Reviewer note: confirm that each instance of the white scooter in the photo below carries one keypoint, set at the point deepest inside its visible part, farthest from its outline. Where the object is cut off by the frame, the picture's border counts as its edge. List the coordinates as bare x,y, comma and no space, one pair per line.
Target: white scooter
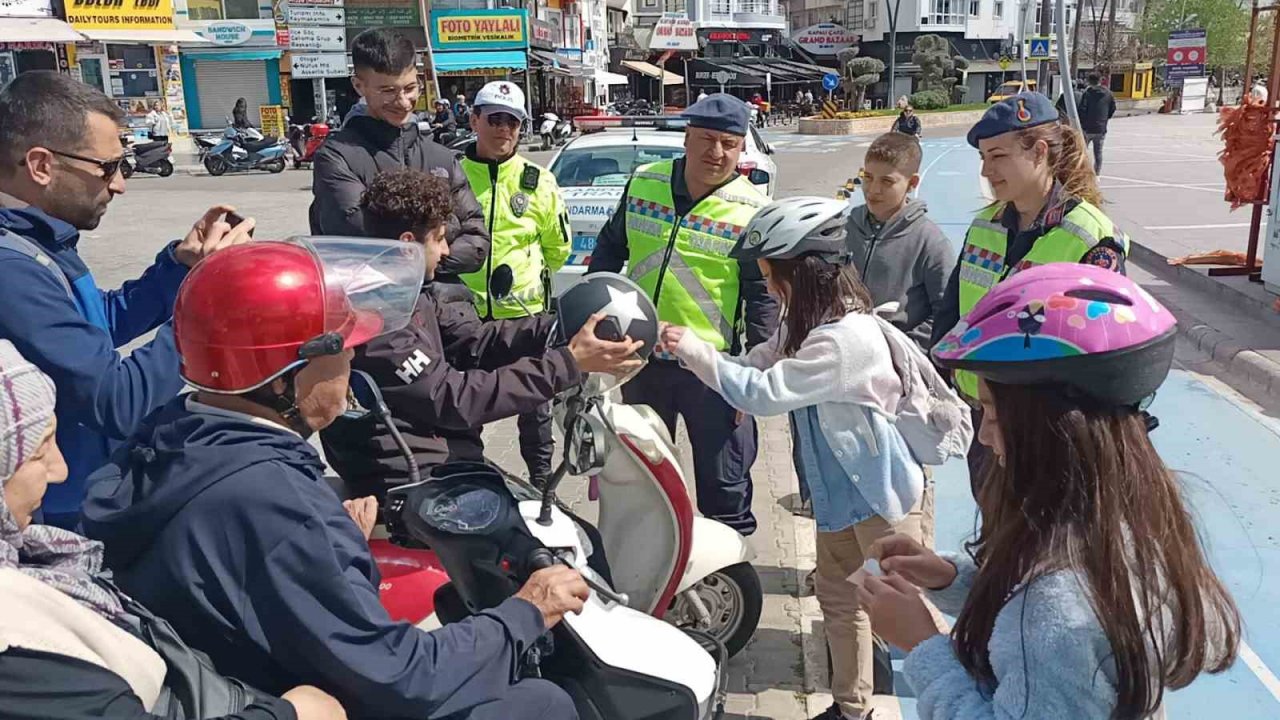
554,131
689,570
490,535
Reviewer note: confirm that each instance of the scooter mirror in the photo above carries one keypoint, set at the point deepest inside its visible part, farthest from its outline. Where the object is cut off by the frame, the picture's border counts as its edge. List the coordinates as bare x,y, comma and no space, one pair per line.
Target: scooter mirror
363,397
501,280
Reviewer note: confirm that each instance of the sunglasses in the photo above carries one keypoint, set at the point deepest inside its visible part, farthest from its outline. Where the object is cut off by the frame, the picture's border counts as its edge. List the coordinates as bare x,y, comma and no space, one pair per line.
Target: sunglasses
502,120
109,168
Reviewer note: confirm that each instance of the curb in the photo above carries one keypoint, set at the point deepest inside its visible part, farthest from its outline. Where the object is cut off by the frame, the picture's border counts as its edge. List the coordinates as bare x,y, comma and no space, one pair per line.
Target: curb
1240,362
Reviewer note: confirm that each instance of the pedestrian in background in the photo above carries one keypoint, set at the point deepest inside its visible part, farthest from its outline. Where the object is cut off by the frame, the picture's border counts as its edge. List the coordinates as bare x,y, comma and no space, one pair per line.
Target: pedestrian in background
240,115
1097,106
160,122
673,231
907,123
60,154
1046,210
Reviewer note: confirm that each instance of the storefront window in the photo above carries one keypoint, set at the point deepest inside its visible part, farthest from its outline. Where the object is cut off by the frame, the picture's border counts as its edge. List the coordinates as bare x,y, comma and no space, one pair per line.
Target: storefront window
133,71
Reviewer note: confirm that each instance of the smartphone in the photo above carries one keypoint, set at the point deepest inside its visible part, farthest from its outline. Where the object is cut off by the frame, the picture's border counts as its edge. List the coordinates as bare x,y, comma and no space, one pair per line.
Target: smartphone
234,219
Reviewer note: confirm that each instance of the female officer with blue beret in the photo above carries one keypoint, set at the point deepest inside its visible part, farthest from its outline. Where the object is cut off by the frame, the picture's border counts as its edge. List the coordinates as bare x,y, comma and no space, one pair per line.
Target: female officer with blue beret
1046,209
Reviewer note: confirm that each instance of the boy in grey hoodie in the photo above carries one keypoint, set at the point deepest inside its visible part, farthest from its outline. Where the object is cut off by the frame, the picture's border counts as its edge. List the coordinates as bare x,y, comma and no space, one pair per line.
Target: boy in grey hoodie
901,255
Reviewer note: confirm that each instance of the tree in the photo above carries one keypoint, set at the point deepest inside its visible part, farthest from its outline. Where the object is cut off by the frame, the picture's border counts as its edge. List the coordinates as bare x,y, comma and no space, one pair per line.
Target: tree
857,74
1226,23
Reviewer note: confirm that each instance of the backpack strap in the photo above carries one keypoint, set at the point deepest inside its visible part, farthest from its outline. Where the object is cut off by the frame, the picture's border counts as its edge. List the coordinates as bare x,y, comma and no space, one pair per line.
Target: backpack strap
23,246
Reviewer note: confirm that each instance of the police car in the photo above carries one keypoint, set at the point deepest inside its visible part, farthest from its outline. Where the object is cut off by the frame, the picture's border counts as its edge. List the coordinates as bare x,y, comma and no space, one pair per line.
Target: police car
593,169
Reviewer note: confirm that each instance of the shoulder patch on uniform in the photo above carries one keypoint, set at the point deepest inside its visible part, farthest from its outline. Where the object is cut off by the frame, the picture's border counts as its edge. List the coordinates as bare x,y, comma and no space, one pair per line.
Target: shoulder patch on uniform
1104,256
529,178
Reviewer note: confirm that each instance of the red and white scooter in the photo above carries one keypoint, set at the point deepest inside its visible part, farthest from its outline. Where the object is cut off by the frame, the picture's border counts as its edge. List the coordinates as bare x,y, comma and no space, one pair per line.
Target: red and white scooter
691,571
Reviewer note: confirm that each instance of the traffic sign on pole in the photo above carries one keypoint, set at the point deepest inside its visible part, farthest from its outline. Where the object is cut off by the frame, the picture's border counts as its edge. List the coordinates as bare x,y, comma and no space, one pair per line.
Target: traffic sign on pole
1039,48
830,81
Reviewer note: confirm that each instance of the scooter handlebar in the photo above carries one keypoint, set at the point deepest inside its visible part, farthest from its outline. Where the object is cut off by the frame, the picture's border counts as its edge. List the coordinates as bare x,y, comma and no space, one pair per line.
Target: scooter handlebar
542,558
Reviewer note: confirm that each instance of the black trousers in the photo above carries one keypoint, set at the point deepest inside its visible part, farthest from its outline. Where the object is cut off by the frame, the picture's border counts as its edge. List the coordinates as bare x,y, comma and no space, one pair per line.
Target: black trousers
723,449
537,444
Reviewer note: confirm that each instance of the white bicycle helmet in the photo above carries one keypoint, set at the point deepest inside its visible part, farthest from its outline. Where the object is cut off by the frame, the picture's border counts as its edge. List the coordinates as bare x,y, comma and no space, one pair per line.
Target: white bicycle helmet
796,226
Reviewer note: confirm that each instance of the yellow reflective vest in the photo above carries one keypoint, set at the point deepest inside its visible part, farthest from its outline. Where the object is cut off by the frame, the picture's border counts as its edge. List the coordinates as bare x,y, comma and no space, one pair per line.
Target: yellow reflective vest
528,228
982,262
683,261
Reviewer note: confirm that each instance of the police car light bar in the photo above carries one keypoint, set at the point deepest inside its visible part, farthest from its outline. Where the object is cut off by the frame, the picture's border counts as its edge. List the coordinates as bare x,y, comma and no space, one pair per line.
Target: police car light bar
598,123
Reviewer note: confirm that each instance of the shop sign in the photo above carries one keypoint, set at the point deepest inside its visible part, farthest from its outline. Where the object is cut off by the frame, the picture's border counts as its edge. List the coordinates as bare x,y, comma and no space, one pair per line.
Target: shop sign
120,14
227,32
543,34
317,39
674,31
273,120
478,30
317,16
318,65
729,36
318,3
825,39
383,13
27,46
26,8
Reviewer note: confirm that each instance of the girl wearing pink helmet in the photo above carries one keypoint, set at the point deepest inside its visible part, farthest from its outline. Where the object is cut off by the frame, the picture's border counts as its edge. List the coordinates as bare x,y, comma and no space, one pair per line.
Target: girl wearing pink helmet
1086,593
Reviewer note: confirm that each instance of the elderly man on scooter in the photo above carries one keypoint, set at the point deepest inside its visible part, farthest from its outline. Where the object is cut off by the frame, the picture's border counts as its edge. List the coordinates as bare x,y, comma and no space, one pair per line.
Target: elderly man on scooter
217,514
448,373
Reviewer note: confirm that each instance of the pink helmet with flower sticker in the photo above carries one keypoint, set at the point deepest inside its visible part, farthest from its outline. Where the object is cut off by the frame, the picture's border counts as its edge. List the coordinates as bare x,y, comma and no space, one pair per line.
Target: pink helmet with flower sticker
1066,324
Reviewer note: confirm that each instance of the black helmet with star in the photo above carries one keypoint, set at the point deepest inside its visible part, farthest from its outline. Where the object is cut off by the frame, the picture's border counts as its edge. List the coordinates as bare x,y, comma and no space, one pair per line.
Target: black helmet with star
627,308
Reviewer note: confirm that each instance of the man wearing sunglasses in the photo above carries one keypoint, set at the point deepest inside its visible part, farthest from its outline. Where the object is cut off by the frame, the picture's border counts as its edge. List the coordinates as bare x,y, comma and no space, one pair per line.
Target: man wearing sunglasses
386,137
60,160
529,231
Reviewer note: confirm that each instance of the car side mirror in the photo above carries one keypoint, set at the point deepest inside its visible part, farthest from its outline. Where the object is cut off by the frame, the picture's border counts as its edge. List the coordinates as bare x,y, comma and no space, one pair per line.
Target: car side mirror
758,177
501,281
364,398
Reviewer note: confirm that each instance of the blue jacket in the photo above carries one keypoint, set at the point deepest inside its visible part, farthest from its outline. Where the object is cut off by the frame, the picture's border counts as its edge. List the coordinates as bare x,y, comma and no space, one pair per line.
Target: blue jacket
102,396
1049,653
224,524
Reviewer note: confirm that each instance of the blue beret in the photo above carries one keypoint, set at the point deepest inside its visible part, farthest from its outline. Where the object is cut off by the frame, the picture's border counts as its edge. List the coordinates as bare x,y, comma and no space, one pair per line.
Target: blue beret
720,111
1022,111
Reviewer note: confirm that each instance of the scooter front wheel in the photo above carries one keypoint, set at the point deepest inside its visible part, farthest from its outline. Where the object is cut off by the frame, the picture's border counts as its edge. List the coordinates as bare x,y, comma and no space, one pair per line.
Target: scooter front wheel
164,168
732,600
216,165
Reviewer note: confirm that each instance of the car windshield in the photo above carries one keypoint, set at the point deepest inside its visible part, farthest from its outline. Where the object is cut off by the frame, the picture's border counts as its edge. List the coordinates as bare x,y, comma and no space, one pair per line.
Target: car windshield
607,166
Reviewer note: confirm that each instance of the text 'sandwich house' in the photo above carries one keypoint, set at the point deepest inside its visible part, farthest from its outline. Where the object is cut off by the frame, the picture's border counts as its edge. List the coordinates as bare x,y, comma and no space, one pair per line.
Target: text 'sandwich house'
132,54
472,47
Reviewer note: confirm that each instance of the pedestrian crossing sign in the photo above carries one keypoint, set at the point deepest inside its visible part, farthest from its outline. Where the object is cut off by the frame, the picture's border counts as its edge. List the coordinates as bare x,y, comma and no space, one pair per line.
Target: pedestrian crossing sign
1039,48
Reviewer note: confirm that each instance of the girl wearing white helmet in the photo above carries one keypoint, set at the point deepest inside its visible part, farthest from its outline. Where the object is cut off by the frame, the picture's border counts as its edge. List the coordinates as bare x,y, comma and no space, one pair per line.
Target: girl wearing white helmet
829,367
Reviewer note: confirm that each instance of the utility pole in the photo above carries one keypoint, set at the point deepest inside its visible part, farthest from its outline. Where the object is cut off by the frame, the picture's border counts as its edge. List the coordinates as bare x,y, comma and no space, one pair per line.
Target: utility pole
893,13
1022,39
1064,65
1042,68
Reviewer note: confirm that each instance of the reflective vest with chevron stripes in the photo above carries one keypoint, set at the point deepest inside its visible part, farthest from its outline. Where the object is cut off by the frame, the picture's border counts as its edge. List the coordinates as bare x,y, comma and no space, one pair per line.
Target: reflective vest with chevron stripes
982,262
683,261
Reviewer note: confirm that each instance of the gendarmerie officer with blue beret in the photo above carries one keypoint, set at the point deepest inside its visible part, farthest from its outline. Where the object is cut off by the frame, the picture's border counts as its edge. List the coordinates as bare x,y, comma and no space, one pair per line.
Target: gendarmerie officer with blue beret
673,232
1046,209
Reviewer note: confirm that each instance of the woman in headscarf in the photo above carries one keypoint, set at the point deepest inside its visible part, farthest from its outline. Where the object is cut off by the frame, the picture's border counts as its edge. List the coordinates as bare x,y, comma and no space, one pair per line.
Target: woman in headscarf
68,648
240,115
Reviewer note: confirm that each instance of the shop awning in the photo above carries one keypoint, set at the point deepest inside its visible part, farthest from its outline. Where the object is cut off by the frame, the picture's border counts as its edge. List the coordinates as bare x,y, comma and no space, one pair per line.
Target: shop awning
446,62
704,73
148,37
653,71
559,63
604,77
50,30
235,55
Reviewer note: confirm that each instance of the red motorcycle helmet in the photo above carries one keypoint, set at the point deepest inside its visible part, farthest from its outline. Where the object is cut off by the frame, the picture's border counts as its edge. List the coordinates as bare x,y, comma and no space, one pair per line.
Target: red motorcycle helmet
250,313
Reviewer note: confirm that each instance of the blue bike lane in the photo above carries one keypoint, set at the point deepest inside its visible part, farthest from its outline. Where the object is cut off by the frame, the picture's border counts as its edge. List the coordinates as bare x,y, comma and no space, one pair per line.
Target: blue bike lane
1227,454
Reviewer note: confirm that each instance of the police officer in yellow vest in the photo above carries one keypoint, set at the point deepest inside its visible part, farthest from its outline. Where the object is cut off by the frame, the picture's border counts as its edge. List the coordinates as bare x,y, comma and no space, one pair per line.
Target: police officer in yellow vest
673,231
529,227
1046,209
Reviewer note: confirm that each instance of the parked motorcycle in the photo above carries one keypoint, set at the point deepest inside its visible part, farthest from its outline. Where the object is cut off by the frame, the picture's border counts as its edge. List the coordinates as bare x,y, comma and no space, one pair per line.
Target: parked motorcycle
241,151
305,140
205,143
612,660
554,131
148,157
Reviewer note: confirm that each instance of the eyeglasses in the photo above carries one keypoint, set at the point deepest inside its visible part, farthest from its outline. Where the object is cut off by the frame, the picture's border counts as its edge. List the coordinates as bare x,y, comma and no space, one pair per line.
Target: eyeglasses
502,120
389,94
109,168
